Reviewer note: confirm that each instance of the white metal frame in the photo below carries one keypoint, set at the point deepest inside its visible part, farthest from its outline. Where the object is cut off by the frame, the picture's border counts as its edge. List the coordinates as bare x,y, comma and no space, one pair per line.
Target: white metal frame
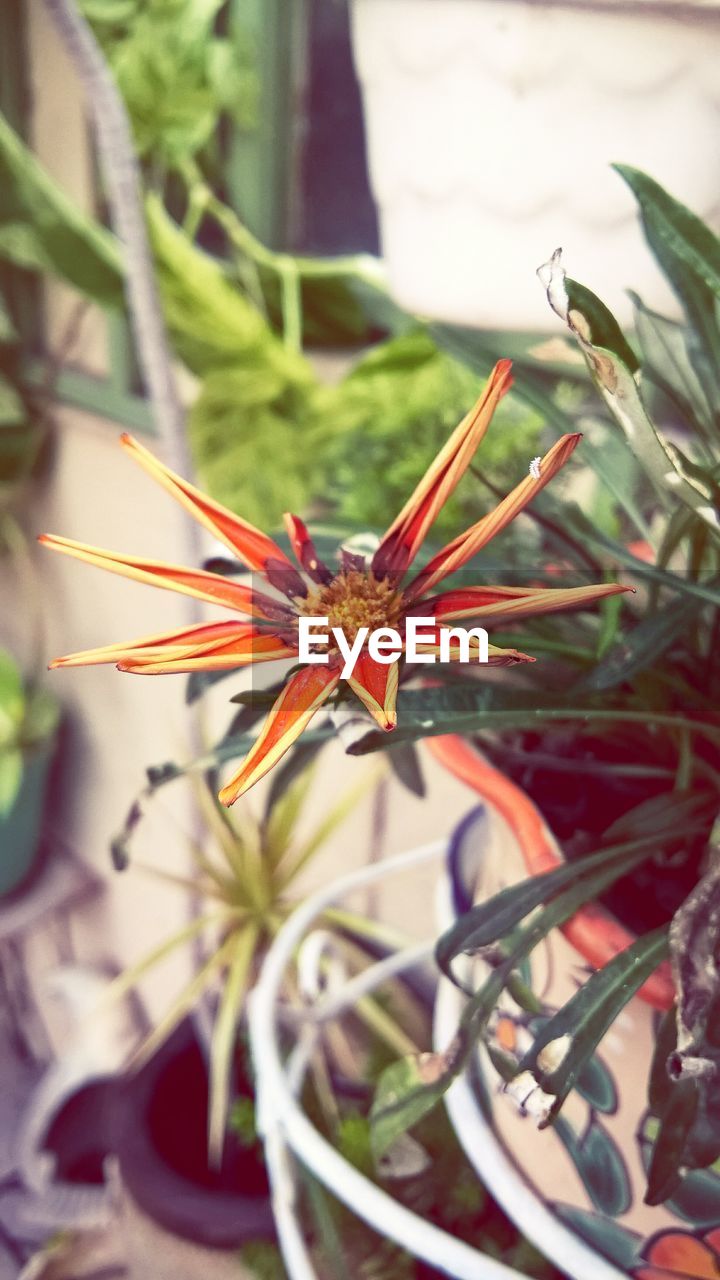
286,1129
490,1158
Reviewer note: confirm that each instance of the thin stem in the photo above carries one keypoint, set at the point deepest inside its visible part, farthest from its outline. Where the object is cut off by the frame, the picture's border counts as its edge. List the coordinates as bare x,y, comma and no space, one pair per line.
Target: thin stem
122,179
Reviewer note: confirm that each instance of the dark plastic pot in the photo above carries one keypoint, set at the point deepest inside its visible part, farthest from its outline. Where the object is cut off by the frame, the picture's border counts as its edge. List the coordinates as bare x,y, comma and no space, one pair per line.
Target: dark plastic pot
21,828
159,1133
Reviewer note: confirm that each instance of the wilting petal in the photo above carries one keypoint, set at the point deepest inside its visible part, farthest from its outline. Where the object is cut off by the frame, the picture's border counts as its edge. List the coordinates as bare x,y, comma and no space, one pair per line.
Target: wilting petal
511,602
251,644
251,545
302,696
467,544
305,551
190,582
376,684
175,644
405,536
496,657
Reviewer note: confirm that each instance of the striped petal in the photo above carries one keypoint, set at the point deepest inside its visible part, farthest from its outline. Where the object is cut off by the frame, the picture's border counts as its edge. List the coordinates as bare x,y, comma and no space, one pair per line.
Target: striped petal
305,551
376,685
405,536
302,696
251,644
176,644
190,582
497,657
248,543
512,602
467,544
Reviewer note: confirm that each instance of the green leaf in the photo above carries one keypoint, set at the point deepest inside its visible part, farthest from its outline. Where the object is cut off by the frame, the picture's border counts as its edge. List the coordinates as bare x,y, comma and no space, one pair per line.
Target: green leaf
608,1238
660,1085
42,230
648,641
8,332
490,921
405,764
199,681
212,323
566,1042
471,708
615,382
666,349
224,1036
409,389
602,328
675,582
686,250
12,409
298,761
670,224
286,802
12,697
666,817
407,1091
600,1164
11,774
676,1124
596,1085
42,716
614,463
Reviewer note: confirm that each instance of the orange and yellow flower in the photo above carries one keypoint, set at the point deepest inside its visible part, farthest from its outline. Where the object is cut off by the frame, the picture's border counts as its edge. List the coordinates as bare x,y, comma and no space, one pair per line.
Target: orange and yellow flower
357,594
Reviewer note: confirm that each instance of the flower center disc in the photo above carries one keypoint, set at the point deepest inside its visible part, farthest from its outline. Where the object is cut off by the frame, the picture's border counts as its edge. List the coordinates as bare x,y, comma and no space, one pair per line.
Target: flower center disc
353,600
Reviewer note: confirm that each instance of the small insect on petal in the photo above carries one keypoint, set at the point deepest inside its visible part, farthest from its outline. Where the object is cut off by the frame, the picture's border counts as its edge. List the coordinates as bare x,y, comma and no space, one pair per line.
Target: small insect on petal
534,468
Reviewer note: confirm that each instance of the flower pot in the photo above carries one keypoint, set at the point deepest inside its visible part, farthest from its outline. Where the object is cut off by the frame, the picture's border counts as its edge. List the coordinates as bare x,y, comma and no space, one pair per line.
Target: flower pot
20,829
587,1171
491,125
160,1139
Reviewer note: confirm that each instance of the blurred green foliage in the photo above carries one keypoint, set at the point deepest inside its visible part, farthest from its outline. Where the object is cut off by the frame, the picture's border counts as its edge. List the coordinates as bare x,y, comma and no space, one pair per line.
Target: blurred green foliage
390,417
28,718
178,72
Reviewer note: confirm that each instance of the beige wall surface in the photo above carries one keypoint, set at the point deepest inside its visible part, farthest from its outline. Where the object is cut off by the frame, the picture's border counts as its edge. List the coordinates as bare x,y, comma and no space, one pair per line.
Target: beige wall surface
119,724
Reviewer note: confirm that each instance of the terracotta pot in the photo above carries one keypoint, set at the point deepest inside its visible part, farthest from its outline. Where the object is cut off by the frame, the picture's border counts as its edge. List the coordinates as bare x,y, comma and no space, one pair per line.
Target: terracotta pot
588,1170
491,128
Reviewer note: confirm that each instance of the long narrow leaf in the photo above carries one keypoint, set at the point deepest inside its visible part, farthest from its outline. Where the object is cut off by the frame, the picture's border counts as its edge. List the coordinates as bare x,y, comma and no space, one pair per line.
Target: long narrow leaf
224,1037
183,1003
567,1041
410,1088
42,230
494,919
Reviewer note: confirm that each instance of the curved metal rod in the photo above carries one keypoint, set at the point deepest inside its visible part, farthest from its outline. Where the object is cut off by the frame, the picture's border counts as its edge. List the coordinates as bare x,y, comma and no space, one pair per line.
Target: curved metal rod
286,1129
491,1161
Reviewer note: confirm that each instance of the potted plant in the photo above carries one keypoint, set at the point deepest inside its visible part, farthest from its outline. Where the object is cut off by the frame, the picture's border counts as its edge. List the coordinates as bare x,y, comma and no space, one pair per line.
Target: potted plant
594,995
490,126
182,1119
29,718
